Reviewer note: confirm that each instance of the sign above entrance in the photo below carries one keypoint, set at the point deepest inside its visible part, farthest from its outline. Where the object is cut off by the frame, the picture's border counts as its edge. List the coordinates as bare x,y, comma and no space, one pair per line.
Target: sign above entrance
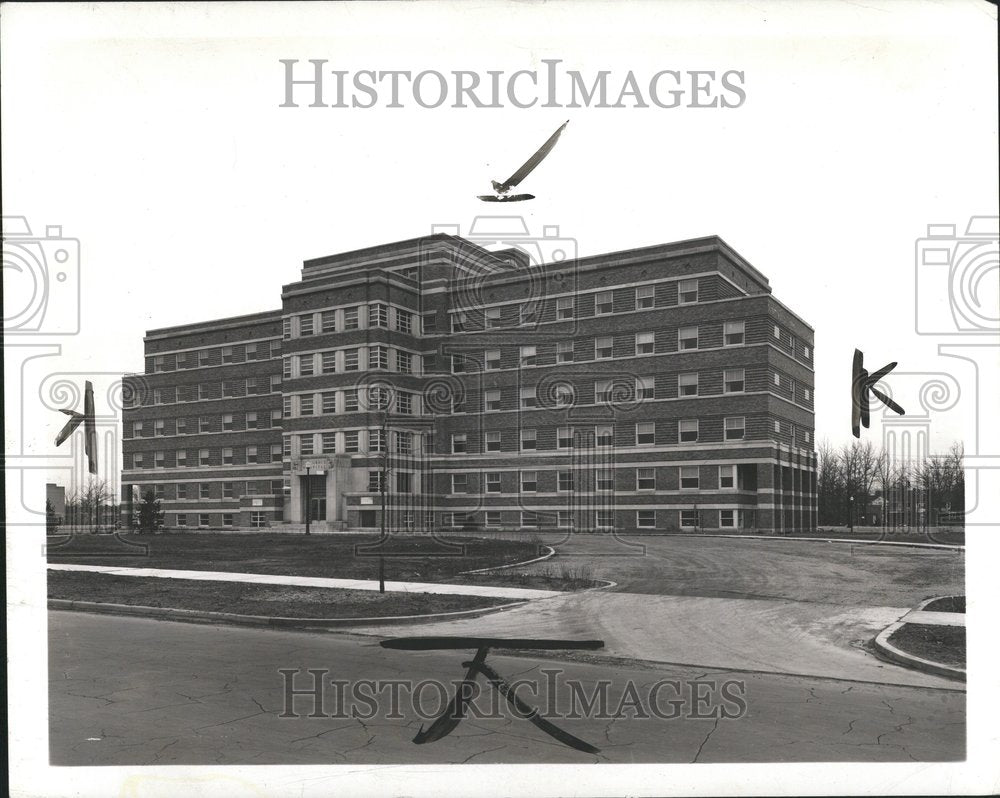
367,500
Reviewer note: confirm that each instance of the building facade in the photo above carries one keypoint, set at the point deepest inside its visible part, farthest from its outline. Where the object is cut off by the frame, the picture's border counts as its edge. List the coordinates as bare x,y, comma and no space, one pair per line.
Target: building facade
654,389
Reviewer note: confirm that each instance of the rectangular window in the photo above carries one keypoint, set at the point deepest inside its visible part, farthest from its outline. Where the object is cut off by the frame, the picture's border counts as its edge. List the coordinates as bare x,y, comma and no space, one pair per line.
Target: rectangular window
528,398
404,362
258,519
492,359
735,428
645,519
328,321
689,518
251,421
306,446
493,483
351,359
645,433
374,481
275,349
227,519
404,403
528,313
459,322
457,364
404,482
645,343
805,394
528,356
203,519
181,458
492,318
687,430
137,460
350,400
306,325
645,387
777,379
158,426
459,483
376,441
493,441
458,443
564,352
182,426
329,442
565,481
565,519
158,460
286,328
328,362
227,456
228,491
351,318
529,519
204,424
689,477
275,383
203,391
286,446
687,291
251,351
727,476
687,384
204,457
204,490
734,381
182,491
777,332
328,401
204,356
404,321
805,352
605,303
306,405
286,406
378,315
564,438
687,338
404,442
378,357
727,518
604,348
645,479
529,481
604,479
428,322
306,365
645,296
777,426
604,435
492,518
351,442
734,333
564,307
529,439
157,396
604,519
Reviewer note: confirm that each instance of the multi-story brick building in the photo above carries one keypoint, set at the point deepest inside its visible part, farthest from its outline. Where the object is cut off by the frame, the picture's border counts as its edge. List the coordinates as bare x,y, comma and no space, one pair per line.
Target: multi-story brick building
652,389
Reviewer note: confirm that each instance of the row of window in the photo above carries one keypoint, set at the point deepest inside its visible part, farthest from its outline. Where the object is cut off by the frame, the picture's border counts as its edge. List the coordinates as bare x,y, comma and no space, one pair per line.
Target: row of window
226,490
258,519
602,519
356,317
351,400
214,356
227,422
342,361
178,458
604,479
350,442
199,392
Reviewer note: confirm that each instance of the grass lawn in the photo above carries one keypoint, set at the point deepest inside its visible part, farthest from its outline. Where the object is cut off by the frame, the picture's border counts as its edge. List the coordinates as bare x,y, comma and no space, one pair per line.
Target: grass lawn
246,599
947,604
953,536
418,559
944,644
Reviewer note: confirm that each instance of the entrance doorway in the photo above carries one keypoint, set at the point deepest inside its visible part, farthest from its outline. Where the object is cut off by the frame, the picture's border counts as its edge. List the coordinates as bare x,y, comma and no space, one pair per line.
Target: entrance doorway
314,496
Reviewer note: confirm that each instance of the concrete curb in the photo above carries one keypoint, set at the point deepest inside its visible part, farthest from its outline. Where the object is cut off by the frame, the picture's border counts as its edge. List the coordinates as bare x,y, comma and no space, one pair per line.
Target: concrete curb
206,616
551,553
887,651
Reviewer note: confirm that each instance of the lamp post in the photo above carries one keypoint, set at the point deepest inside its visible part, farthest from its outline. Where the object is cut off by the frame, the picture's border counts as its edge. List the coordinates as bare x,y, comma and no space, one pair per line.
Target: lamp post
383,485
308,498
851,511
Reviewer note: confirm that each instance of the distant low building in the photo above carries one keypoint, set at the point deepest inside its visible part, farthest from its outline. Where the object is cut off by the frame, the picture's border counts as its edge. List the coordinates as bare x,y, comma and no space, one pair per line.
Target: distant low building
55,495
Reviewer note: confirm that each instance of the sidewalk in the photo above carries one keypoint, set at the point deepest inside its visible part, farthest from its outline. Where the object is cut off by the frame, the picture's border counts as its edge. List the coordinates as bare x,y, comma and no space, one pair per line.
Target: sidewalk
313,581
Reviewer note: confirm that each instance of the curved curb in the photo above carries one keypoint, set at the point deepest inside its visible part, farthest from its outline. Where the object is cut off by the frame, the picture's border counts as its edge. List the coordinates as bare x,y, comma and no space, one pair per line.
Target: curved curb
206,616
551,553
888,651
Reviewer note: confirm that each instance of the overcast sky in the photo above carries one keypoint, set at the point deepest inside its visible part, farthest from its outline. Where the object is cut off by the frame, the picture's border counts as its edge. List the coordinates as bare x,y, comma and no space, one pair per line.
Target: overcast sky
154,135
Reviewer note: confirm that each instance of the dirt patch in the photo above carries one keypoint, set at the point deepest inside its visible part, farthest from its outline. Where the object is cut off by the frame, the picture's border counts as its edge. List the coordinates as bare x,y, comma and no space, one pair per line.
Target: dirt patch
249,599
942,644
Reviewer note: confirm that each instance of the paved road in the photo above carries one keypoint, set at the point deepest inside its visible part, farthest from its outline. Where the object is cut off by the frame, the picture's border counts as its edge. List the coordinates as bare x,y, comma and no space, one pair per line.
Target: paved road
137,691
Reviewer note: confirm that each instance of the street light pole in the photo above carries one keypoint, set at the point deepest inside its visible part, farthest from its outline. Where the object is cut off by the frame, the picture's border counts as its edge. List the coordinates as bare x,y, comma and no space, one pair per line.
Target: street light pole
383,485
308,498
851,510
